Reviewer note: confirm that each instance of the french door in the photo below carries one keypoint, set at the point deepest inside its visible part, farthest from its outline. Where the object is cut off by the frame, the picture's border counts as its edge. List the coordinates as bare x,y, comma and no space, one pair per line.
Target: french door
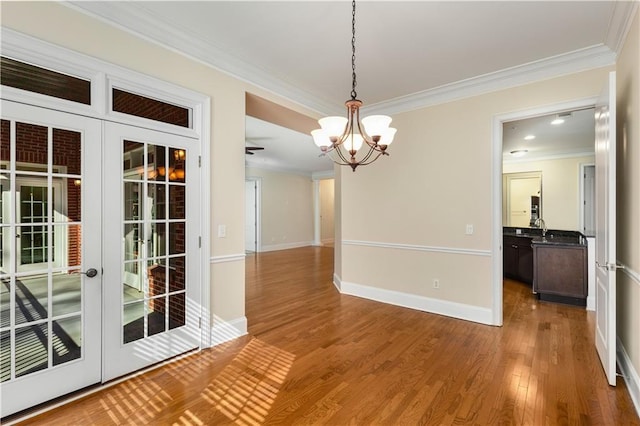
99,262
50,309
151,304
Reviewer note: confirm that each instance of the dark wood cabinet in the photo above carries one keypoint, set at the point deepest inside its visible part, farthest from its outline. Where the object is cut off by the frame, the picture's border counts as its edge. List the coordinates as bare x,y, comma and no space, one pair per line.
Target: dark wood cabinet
517,258
560,272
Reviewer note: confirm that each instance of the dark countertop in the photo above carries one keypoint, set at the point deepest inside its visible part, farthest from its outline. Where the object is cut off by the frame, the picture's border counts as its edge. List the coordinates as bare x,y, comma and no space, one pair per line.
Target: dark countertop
553,236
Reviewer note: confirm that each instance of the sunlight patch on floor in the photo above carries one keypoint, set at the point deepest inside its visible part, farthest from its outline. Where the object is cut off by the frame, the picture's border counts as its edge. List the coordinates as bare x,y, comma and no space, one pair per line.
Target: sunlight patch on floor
247,388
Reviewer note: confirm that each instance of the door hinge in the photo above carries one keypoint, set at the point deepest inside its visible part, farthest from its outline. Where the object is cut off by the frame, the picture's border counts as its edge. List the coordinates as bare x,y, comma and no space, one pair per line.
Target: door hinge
199,161
199,322
199,242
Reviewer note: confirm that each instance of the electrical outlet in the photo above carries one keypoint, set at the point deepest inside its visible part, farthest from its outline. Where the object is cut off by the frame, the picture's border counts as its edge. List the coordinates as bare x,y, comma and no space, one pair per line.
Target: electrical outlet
469,229
222,231
436,283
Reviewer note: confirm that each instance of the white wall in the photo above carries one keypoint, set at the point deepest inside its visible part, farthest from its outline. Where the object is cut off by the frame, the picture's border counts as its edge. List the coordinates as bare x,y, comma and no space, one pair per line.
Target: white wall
286,209
628,207
560,189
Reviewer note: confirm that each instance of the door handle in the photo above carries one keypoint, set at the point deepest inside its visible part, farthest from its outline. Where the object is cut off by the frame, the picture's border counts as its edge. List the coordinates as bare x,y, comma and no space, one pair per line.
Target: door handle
92,272
610,266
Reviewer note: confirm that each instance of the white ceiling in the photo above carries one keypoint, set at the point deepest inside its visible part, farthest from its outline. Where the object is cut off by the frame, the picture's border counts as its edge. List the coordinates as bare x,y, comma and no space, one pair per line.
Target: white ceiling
574,137
408,54
280,146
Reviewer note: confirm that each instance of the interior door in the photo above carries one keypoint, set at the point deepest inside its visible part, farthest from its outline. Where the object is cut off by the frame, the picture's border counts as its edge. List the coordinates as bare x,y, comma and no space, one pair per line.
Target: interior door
520,189
250,224
605,116
151,273
50,311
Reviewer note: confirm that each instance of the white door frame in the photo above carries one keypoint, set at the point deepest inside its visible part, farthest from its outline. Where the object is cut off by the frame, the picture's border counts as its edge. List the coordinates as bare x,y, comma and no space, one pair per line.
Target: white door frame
496,189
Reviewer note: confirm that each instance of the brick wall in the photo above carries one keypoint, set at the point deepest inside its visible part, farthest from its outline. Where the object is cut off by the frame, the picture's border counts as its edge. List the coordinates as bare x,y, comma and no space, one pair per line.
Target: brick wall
140,106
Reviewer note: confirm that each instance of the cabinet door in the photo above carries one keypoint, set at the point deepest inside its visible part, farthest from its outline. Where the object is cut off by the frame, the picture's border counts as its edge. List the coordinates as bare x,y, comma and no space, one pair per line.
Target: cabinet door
525,261
510,257
561,271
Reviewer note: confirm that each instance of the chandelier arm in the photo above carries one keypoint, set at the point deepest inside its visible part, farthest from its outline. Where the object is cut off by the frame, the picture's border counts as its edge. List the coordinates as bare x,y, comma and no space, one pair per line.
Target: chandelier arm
368,155
341,155
363,163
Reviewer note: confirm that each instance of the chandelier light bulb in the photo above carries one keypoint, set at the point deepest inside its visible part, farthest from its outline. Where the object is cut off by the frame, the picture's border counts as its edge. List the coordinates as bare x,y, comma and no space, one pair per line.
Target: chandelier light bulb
387,136
376,125
320,138
353,142
333,126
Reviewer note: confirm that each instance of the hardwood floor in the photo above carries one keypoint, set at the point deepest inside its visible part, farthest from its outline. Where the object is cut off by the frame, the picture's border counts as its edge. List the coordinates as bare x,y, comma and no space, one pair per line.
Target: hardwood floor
313,356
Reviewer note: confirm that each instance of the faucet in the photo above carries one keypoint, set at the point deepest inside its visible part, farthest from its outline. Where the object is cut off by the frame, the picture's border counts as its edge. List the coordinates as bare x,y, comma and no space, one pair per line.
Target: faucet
540,224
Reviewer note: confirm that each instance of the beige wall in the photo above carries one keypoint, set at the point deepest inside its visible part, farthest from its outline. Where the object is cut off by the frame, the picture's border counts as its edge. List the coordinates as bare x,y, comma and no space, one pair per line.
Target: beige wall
628,194
286,211
437,179
326,210
66,27
560,189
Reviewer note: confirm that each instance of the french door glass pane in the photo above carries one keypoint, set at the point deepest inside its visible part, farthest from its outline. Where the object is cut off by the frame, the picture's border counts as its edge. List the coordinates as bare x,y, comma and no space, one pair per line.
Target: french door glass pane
67,289
41,289
5,356
67,336
32,349
154,239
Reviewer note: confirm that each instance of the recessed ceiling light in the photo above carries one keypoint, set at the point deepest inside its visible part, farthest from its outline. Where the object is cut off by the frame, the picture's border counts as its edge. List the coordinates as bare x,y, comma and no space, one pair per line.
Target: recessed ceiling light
519,152
529,137
557,121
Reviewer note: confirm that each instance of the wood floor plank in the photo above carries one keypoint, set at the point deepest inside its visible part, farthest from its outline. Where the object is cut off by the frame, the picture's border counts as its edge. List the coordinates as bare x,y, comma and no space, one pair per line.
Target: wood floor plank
314,356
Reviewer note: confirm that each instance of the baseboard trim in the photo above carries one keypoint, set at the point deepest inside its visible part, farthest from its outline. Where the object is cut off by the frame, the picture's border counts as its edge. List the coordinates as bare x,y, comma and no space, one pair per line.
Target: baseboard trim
224,331
629,374
337,282
420,303
286,246
591,303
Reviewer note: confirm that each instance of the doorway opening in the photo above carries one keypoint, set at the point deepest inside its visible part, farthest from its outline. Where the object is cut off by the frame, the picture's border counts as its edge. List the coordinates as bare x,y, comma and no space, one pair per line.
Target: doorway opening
532,134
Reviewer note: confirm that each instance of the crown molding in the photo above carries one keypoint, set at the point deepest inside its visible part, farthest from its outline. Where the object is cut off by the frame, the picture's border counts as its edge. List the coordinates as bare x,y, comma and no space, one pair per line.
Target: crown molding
136,19
555,66
620,24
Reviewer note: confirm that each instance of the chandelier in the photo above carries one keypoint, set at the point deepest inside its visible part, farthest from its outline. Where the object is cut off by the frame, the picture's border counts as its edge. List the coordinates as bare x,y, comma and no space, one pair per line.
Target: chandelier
347,137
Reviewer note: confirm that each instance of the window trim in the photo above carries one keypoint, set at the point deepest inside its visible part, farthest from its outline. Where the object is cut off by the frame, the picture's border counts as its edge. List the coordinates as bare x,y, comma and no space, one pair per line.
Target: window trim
103,76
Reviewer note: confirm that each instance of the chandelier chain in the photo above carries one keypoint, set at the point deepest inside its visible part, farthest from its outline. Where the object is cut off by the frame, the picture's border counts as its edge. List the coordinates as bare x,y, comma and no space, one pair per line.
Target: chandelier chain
344,137
354,95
